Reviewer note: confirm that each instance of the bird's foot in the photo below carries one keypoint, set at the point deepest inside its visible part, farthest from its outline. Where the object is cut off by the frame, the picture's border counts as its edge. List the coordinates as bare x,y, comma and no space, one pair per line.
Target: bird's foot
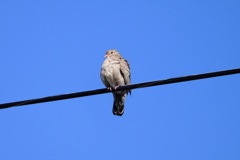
116,87
111,88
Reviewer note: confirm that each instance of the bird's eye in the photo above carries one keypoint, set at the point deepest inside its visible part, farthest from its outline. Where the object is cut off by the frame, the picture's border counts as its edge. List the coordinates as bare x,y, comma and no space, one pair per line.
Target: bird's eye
111,52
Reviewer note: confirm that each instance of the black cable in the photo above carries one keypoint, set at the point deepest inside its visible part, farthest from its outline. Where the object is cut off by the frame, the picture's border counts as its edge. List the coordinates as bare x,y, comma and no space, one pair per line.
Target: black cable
128,87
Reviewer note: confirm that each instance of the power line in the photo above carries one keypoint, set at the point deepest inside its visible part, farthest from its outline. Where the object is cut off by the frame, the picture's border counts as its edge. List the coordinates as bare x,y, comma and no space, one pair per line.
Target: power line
128,87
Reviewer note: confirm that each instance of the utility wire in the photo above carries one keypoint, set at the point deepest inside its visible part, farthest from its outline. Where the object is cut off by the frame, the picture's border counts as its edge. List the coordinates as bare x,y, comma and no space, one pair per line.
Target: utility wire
127,87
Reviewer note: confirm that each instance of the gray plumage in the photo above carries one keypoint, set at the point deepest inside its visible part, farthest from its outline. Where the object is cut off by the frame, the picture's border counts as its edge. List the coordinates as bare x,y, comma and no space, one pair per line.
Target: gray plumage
115,72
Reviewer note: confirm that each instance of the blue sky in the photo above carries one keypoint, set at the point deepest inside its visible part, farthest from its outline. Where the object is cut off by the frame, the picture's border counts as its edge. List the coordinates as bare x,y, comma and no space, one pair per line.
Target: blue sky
56,47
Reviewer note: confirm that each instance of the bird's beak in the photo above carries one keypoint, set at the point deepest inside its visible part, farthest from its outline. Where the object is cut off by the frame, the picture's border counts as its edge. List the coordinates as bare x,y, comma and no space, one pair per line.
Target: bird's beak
106,55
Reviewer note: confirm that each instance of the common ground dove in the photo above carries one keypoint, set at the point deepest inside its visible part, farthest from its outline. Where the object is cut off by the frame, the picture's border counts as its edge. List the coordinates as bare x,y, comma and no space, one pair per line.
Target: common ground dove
115,72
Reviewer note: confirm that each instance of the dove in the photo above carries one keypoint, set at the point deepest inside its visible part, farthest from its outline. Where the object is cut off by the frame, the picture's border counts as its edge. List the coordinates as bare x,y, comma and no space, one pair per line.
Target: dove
115,72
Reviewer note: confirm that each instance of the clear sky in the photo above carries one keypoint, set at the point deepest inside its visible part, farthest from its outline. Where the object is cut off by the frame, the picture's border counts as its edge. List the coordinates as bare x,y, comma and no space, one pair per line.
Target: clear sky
52,47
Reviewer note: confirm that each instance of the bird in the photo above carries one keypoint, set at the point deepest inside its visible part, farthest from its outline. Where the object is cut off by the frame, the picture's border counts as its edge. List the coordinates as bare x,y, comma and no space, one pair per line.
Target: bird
115,72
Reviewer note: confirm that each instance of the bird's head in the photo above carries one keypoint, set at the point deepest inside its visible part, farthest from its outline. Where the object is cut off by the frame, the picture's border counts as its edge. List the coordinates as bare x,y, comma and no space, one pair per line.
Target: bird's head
112,53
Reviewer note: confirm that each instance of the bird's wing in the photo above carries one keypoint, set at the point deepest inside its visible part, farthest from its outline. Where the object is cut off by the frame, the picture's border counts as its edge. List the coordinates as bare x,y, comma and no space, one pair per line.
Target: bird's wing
125,71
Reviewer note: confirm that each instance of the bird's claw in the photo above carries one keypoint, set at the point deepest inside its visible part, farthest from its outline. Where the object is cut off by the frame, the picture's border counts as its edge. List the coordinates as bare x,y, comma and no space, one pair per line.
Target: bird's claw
111,88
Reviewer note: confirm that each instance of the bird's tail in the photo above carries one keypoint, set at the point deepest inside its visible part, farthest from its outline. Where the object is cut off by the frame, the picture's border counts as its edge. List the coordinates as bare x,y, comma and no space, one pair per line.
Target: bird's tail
118,104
